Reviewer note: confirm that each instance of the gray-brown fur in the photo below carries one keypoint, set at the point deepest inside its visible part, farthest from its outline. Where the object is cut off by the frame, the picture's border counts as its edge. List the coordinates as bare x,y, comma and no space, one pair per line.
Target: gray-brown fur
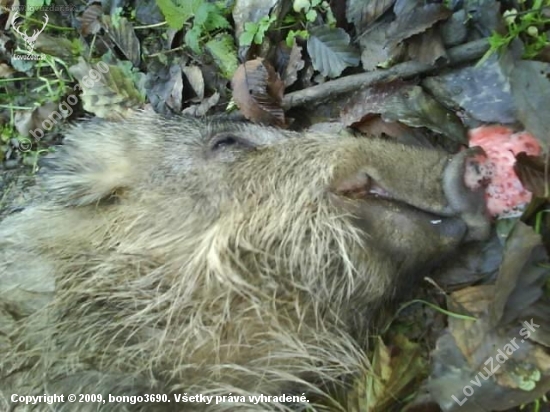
164,262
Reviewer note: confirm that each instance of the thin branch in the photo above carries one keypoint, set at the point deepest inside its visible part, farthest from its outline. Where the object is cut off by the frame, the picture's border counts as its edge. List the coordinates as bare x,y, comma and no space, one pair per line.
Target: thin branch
457,55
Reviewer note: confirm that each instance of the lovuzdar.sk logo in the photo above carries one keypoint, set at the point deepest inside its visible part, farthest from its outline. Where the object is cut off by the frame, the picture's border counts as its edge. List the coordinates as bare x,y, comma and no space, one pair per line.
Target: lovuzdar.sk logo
30,41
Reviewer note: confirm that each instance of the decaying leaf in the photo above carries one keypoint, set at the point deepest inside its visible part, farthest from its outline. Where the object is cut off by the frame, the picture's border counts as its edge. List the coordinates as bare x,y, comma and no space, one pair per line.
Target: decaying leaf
27,121
530,82
362,13
5,71
55,46
195,79
199,110
258,92
393,370
90,19
521,276
374,52
293,65
455,30
165,88
533,173
246,11
495,362
416,21
427,47
483,92
406,103
330,51
147,12
112,95
123,35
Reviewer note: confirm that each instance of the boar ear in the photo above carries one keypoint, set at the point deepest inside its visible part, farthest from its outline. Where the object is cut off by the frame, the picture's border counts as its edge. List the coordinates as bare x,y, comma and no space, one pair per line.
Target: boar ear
90,167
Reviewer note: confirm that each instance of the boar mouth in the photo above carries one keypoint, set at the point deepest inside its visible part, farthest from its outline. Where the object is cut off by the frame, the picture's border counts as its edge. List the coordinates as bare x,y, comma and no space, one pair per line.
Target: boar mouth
360,187
367,200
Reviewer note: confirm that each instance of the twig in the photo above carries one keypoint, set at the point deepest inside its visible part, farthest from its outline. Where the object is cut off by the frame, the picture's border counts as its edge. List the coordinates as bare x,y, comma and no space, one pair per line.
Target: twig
459,54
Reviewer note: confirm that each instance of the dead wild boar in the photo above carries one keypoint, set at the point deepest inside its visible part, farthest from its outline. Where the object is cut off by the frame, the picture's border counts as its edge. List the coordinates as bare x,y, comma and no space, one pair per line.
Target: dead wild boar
181,256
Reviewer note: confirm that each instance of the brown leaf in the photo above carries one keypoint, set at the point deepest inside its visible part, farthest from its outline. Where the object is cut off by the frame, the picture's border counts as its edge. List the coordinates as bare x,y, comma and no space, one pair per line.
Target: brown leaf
294,64
406,103
5,70
530,83
362,13
521,277
417,21
123,34
374,52
90,19
258,92
111,95
196,80
199,110
394,369
427,47
165,88
533,173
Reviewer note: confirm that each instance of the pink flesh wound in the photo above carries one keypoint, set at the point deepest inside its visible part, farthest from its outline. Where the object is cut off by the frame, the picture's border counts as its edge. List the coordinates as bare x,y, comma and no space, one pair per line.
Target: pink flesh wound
506,196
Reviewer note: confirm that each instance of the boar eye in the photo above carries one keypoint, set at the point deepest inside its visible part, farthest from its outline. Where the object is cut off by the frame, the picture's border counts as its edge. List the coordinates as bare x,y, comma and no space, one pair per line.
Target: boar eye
225,141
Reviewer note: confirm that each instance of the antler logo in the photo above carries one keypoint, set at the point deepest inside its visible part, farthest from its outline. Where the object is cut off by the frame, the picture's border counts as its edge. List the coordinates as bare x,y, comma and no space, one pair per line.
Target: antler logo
30,40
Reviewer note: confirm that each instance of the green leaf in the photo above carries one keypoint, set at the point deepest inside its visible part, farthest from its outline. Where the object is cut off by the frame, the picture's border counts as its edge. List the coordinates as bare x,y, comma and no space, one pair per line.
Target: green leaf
223,50
300,5
292,34
192,39
330,50
311,15
251,27
178,12
210,18
202,14
246,38
289,19
263,26
216,21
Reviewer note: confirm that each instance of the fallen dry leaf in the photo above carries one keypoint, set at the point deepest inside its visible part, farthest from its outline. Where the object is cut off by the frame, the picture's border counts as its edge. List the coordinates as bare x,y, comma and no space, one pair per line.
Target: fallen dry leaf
483,92
362,13
374,52
293,64
427,47
123,35
258,92
530,82
90,19
112,95
406,103
165,88
394,369
533,174
418,20
494,362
